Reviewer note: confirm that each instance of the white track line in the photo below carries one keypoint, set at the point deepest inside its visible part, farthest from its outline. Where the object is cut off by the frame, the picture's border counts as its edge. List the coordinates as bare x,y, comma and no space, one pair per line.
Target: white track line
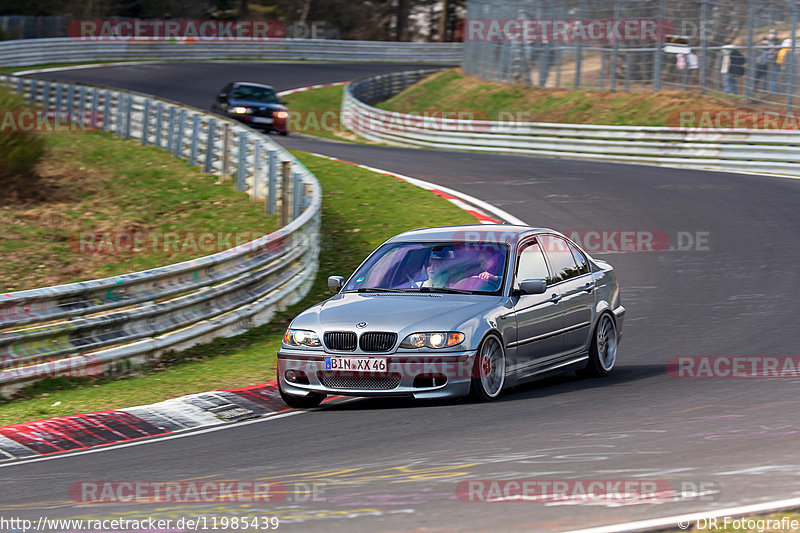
501,214
80,67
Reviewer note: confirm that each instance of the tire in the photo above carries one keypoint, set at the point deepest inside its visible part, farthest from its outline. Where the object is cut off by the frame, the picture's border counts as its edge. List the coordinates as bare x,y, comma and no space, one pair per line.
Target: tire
313,399
489,371
284,133
603,349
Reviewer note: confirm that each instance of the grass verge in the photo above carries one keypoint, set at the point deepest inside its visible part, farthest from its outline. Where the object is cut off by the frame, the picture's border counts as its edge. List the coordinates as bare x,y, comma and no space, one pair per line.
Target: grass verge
453,91
360,210
92,185
317,112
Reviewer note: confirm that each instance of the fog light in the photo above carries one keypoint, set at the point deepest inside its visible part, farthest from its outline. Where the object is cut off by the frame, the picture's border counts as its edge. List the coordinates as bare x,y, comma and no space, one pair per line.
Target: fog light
291,376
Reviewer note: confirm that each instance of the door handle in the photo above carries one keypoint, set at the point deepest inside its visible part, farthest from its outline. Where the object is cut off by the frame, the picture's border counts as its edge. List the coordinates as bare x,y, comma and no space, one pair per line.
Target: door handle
555,297
589,287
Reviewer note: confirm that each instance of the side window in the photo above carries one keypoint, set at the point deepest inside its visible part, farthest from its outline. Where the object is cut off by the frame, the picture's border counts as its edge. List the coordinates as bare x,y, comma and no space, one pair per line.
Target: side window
560,257
531,263
580,259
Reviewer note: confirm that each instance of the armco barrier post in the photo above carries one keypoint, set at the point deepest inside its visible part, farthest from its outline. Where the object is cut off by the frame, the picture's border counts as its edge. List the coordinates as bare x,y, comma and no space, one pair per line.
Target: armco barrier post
177,146
34,87
145,121
240,168
159,124
46,95
286,178
210,143
59,90
107,110
82,98
195,134
272,183
120,114
296,195
95,101
226,146
258,182
128,115
171,130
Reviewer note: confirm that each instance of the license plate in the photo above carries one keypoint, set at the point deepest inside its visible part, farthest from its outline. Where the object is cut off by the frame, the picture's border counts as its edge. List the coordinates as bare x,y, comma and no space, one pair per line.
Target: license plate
262,120
357,364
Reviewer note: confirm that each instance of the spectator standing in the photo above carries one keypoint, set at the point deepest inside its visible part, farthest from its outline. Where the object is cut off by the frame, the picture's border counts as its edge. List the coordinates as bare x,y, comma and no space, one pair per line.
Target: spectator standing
762,66
774,68
736,70
782,61
725,68
680,66
692,65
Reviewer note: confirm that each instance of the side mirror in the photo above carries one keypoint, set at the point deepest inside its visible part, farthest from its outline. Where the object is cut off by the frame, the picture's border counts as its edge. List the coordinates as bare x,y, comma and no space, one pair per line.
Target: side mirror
283,102
533,286
222,96
335,283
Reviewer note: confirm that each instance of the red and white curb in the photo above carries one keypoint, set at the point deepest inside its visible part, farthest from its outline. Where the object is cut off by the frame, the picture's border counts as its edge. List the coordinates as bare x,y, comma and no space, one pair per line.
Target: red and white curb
303,89
80,432
476,207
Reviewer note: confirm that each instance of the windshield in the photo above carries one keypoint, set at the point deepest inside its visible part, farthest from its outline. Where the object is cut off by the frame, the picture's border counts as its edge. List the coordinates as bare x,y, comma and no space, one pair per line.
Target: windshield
433,267
256,94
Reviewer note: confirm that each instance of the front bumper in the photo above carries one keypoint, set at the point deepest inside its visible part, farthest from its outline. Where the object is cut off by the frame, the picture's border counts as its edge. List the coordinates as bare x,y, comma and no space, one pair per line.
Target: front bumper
417,374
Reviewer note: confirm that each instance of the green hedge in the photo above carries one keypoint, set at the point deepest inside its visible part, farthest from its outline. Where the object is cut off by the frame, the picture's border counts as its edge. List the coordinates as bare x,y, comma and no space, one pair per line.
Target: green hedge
20,151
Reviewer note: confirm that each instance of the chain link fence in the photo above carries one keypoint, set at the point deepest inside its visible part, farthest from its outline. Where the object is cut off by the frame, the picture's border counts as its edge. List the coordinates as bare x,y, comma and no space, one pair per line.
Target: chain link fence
728,46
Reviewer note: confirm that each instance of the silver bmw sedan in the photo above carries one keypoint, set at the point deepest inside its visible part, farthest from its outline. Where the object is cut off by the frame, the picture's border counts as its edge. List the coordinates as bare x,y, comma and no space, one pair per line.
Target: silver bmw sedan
451,311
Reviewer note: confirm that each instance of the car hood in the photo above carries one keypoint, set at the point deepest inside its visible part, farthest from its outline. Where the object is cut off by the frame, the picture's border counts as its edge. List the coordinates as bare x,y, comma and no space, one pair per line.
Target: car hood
403,313
233,102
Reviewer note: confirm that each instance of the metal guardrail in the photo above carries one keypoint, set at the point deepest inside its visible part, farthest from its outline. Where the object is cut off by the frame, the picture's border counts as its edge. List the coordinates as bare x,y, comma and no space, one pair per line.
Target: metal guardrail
106,324
65,50
748,150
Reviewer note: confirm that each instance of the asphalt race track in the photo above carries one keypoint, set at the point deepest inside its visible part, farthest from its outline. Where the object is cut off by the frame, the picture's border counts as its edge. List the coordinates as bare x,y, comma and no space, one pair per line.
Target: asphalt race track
383,465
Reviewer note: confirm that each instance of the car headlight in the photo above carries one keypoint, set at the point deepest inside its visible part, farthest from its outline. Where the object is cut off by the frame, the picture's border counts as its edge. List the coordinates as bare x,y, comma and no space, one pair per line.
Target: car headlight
433,339
239,110
281,114
301,337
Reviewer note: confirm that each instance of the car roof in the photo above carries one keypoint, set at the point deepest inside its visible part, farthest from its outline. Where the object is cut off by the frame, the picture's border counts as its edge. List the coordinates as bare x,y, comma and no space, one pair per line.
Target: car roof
499,233
251,84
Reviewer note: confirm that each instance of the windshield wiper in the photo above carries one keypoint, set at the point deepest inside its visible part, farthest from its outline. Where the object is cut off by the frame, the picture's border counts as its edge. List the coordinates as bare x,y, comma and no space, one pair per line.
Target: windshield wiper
377,289
446,290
